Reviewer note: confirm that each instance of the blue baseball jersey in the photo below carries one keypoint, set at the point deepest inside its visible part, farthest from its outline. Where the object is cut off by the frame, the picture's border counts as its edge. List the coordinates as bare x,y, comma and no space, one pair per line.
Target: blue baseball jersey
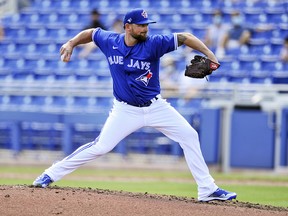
134,69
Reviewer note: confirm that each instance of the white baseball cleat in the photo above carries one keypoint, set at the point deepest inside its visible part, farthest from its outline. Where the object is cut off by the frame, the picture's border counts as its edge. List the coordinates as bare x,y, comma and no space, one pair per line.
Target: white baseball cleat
219,194
43,181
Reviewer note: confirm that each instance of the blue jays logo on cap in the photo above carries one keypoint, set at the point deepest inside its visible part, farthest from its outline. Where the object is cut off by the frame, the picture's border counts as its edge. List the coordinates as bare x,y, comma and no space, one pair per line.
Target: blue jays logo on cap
137,16
144,14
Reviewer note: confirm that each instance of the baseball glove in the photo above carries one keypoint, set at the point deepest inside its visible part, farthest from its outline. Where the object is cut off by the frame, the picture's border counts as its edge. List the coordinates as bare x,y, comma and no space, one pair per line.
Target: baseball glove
200,67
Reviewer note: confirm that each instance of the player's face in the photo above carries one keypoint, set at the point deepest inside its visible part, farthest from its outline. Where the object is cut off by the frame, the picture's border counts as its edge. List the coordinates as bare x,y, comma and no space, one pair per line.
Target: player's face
139,31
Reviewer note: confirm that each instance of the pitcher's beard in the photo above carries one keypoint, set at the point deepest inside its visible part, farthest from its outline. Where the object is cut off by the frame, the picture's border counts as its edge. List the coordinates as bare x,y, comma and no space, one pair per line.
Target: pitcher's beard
140,38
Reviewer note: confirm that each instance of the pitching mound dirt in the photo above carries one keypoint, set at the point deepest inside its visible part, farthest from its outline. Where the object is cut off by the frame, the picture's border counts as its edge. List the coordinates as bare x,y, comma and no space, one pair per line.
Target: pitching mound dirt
27,200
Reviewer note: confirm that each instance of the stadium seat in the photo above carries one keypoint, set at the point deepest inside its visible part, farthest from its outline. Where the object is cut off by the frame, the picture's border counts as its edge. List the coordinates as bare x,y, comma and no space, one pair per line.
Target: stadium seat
30,16
276,46
56,103
240,76
32,63
283,29
262,70
254,15
259,47
81,4
13,61
25,47
276,15
199,30
170,17
16,100
267,32
73,29
271,63
237,74
249,62
48,17
232,52
57,31
84,73
254,4
38,101
44,70
261,76
36,31
160,4
278,68
13,21
5,74
65,17
4,101
64,71
207,14
82,102
227,6
193,17
15,31
160,29
280,77
180,4
23,75
8,47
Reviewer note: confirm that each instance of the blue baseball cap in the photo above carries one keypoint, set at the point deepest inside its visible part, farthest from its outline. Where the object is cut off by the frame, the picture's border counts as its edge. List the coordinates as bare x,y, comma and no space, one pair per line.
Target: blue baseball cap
137,16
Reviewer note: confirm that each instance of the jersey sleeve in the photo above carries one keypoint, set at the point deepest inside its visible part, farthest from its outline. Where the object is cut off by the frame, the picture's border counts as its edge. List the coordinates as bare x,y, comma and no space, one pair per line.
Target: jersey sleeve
99,37
162,44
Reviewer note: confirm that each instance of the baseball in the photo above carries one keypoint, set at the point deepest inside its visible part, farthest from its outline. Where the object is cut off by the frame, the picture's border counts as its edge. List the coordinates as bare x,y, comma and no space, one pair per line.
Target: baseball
62,57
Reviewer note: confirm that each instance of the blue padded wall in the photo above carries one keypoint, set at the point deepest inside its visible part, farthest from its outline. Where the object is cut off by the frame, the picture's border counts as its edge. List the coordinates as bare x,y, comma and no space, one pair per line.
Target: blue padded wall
252,139
210,132
284,138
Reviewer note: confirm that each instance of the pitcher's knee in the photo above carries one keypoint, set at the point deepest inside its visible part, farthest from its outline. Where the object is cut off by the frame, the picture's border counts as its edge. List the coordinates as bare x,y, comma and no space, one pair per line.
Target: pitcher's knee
190,133
101,149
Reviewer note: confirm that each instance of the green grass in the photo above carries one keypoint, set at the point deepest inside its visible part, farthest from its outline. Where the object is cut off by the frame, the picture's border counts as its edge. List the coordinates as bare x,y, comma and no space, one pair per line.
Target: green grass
266,188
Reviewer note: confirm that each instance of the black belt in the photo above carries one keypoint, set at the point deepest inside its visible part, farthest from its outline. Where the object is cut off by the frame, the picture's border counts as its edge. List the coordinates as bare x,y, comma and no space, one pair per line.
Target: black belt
146,104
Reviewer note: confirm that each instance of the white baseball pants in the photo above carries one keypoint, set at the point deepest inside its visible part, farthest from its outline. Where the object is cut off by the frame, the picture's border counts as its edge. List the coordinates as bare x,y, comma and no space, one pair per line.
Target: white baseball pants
125,119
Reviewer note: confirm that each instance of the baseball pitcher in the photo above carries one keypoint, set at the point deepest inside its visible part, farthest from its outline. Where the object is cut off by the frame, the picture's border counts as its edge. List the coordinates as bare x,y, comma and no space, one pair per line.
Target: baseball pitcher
133,59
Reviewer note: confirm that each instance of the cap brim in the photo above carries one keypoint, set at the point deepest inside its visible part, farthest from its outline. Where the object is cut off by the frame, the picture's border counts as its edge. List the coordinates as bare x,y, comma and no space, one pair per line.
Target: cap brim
146,22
